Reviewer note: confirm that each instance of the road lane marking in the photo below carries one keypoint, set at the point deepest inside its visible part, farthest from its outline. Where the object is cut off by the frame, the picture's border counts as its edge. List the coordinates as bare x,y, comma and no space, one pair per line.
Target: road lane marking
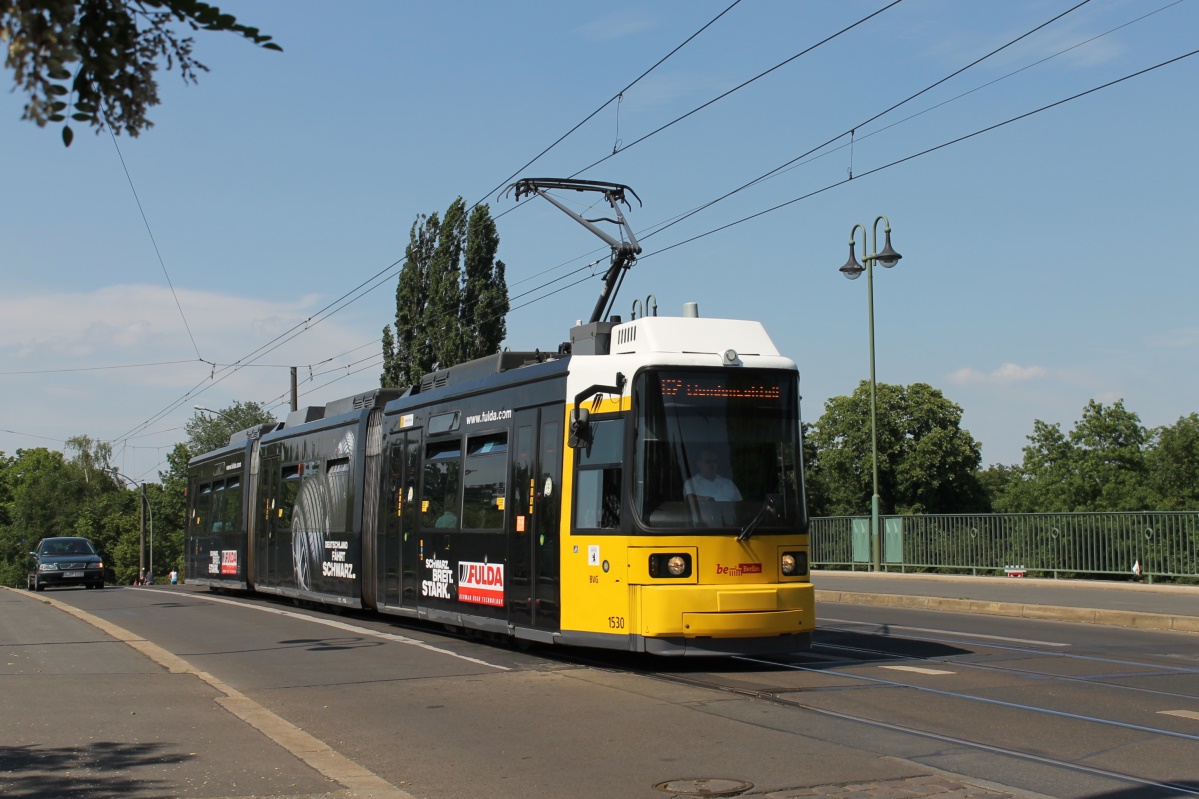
917,670
947,632
1186,714
340,625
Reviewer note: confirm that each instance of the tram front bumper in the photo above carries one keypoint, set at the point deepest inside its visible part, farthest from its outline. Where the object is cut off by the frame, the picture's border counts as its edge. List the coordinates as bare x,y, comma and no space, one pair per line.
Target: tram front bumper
726,611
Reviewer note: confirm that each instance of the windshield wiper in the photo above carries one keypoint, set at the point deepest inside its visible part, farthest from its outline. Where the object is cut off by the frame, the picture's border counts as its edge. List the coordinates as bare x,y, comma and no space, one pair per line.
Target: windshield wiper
770,506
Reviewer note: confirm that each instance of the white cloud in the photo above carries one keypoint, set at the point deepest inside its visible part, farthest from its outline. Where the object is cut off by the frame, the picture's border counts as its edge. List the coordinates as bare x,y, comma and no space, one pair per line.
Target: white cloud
56,349
1006,374
138,324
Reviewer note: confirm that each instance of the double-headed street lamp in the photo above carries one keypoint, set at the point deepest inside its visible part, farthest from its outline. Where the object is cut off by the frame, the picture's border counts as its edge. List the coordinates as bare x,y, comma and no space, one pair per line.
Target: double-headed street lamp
141,551
852,270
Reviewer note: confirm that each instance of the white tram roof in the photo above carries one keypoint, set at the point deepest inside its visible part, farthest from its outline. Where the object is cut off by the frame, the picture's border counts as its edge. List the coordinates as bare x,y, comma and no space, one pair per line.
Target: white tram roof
686,335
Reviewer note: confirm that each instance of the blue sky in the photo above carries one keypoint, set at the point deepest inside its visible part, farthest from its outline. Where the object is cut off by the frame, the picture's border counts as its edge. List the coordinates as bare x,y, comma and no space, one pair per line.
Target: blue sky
1044,262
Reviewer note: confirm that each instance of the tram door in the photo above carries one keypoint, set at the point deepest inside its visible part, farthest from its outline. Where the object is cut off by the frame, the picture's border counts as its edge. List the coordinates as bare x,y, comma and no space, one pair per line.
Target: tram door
533,525
260,504
397,550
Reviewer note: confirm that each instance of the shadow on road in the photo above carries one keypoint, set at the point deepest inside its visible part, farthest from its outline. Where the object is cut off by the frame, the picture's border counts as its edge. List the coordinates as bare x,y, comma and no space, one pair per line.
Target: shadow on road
103,769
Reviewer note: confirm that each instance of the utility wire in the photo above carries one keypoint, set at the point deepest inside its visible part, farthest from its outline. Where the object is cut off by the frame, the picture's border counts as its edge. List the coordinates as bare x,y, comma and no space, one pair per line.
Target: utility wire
923,153
616,96
877,116
793,165
101,368
779,65
263,350
754,215
146,221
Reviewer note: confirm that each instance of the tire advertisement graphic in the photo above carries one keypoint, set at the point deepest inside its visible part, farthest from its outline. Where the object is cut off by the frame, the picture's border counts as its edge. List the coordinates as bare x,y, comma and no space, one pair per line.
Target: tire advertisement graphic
321,504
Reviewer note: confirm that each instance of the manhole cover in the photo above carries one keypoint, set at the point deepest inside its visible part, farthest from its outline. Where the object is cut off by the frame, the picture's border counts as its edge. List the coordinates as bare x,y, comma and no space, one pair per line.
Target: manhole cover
705,786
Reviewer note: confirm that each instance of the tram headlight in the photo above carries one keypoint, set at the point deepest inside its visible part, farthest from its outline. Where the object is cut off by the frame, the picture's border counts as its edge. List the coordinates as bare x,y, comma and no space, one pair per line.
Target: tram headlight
794,564
670,565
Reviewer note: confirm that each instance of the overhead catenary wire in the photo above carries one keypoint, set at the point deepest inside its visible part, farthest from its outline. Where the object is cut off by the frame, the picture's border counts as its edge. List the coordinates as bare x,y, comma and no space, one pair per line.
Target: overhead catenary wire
925,152
867,173
263,350
720,97
851,131
836,184
857,177
606,103
150,232
284,337
741,86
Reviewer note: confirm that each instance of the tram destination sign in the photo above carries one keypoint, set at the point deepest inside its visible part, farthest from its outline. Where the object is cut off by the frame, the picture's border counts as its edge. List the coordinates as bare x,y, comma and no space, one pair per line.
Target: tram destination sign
719,387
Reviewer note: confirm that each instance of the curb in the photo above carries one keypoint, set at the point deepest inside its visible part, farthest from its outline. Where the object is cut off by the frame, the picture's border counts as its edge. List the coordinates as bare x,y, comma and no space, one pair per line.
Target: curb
1111,618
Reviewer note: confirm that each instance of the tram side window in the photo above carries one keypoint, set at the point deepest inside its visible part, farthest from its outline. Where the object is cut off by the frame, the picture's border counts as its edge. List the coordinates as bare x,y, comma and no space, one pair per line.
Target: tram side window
231,515
289,488
216,516
598,486
484,484
443,476
203,508
337,480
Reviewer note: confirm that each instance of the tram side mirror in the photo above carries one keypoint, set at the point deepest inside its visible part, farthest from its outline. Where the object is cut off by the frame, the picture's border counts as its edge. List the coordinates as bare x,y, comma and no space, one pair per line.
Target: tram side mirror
580,428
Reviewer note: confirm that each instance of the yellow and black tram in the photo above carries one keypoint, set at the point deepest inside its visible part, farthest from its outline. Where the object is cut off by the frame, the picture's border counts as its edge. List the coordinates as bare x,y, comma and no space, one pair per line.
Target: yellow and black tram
643,492
640,489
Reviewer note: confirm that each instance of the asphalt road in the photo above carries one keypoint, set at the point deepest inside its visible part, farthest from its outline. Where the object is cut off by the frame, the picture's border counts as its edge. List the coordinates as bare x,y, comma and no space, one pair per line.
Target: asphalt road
178,692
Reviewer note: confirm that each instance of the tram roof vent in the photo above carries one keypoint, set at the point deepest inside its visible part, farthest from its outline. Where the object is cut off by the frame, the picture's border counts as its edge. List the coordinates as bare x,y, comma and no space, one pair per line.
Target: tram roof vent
257,431
680,334
370,399
481,367
305,415
593,338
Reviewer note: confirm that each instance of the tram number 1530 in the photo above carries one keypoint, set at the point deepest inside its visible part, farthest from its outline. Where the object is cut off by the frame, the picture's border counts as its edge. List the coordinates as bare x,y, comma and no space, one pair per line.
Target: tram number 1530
616,622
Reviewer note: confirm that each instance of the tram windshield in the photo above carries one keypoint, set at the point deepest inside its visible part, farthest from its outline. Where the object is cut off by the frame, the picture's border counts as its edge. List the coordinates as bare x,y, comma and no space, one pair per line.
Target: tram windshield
718,449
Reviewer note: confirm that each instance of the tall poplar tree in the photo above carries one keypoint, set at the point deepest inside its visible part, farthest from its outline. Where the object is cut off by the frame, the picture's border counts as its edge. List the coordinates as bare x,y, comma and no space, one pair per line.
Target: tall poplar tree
445,287
408,354
482,319
451,299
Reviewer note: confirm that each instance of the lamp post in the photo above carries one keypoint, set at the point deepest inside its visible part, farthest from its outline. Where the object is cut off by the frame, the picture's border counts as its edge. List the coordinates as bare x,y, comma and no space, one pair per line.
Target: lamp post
221,414
852,270
146,508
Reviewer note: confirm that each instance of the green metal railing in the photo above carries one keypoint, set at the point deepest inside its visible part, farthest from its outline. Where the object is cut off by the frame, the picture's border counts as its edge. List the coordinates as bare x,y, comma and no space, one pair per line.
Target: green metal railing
1151,544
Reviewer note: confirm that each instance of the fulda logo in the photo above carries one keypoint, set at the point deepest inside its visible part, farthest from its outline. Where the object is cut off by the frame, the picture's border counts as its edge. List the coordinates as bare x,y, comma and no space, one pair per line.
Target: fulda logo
739,569
481,583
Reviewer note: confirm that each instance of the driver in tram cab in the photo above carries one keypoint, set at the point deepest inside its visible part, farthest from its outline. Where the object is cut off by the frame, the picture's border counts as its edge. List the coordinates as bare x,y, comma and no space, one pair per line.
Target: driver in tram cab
708,487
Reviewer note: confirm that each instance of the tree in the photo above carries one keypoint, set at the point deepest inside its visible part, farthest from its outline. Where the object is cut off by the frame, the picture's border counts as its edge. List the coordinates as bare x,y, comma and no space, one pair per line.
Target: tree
926,462
91,458
1100,466
482,319
412,354
451,298
445,288
96,59
208,431
1173,465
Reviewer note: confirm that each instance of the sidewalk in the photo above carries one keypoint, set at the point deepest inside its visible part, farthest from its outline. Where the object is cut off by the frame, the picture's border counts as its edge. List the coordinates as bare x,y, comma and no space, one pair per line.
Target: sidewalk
90,711
1150,606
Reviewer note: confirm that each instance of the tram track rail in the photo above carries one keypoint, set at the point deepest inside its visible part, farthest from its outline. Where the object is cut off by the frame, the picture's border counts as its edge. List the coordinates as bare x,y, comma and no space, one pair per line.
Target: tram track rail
1153,669
675,672
778,698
